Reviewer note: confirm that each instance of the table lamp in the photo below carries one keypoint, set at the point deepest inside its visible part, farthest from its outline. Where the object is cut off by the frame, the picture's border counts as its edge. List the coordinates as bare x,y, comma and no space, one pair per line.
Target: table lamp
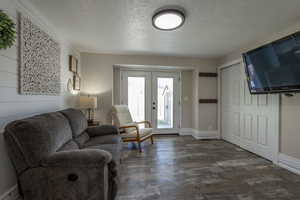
90,104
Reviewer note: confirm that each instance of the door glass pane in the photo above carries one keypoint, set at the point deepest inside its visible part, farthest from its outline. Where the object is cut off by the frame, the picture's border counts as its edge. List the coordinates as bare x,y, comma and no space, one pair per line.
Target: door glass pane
164,102
136,98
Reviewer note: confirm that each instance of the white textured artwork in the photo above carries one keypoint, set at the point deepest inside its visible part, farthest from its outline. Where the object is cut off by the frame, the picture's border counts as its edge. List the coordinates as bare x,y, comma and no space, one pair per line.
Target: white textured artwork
39,60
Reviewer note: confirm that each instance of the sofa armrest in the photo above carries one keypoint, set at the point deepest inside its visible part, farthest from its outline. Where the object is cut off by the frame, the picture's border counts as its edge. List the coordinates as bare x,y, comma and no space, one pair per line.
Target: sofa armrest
102,130
87,158
79,174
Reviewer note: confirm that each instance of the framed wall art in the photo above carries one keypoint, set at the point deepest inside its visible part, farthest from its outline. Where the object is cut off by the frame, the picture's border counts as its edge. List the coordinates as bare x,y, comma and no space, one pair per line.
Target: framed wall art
39,60
73,64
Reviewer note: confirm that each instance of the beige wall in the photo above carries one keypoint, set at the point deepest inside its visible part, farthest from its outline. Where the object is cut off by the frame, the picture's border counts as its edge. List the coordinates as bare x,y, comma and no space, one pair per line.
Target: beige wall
97,76
187,99
15,106
116,89
290,107
208,112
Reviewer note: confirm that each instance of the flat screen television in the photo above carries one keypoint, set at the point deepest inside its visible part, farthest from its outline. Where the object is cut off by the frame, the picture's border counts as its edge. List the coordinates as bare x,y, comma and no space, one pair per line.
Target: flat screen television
275,67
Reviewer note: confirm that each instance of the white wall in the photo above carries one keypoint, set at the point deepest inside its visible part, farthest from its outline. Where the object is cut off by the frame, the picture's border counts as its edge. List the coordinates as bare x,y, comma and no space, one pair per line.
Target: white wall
97,75
15,106
290,107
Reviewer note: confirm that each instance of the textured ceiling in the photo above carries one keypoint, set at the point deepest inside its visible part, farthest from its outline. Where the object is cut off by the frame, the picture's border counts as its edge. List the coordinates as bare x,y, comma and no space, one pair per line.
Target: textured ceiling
213,28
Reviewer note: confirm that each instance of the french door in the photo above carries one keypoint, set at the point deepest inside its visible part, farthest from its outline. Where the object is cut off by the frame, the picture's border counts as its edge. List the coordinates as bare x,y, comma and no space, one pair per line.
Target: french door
153,96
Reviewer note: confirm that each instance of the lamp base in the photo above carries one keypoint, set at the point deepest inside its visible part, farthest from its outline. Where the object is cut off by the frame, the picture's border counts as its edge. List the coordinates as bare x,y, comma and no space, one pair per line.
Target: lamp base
90,121
93,123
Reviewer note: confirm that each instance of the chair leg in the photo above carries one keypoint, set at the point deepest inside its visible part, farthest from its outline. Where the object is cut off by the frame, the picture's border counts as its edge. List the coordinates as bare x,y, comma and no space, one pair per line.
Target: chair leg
140,147
152,141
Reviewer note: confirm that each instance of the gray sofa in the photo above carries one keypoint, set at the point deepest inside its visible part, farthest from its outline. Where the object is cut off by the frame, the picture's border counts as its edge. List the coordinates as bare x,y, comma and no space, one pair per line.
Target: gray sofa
58,157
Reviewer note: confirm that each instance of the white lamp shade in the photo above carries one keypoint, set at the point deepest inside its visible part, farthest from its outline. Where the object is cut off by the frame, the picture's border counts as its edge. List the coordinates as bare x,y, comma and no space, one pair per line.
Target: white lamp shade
88,102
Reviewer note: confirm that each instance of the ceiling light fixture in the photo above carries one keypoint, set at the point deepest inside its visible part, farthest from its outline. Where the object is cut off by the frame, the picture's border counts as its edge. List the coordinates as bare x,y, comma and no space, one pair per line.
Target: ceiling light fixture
168,19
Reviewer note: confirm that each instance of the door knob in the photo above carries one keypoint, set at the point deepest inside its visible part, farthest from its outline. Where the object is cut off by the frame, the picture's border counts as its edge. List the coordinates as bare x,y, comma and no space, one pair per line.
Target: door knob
72,177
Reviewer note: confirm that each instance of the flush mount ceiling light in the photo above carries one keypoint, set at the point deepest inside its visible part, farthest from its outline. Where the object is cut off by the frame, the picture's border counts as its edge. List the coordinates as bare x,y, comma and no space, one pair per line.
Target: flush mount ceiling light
168,19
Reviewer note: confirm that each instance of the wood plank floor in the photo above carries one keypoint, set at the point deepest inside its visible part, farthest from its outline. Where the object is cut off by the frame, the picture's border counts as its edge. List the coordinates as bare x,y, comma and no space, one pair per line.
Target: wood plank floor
182,168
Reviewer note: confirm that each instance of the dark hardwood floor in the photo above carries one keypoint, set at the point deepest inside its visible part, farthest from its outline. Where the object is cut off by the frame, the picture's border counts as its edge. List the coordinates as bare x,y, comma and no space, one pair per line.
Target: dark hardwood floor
182,168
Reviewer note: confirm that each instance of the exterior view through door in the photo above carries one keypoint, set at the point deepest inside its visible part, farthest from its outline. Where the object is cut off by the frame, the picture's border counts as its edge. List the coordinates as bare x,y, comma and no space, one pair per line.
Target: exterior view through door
153,96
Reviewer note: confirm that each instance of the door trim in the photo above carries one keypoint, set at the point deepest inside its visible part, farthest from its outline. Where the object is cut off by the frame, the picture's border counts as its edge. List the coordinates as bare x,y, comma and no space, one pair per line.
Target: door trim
276,140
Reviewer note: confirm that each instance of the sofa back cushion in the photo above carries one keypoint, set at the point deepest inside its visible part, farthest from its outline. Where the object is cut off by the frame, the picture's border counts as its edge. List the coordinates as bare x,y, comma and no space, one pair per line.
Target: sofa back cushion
33,139
82,139
77,120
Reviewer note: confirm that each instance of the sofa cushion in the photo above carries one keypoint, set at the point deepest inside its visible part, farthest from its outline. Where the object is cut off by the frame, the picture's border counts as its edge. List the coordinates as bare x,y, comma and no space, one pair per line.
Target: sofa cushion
77,121
106,139
37,137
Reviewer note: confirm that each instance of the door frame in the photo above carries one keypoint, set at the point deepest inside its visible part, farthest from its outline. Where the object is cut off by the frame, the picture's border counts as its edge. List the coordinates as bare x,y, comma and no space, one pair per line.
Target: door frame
124,70
276,141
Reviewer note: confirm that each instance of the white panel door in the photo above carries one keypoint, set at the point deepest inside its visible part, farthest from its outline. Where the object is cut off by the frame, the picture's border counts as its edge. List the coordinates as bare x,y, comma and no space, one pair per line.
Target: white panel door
231,104
250,121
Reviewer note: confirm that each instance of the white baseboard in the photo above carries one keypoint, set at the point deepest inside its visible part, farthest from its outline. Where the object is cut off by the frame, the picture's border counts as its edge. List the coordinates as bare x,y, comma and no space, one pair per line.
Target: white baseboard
290,163
186,131
199,135
11,194
202,135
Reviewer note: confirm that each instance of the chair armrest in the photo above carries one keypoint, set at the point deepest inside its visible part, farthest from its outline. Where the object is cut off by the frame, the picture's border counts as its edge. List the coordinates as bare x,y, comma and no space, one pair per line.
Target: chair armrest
102,130
131,126
145,122
87,158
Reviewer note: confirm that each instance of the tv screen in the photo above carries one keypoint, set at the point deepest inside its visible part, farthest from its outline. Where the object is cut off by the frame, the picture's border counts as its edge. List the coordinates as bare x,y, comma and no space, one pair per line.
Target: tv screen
275,67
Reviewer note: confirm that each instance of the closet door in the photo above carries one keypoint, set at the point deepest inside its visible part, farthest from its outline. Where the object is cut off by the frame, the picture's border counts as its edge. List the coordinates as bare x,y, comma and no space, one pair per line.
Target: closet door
231,107
250,121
